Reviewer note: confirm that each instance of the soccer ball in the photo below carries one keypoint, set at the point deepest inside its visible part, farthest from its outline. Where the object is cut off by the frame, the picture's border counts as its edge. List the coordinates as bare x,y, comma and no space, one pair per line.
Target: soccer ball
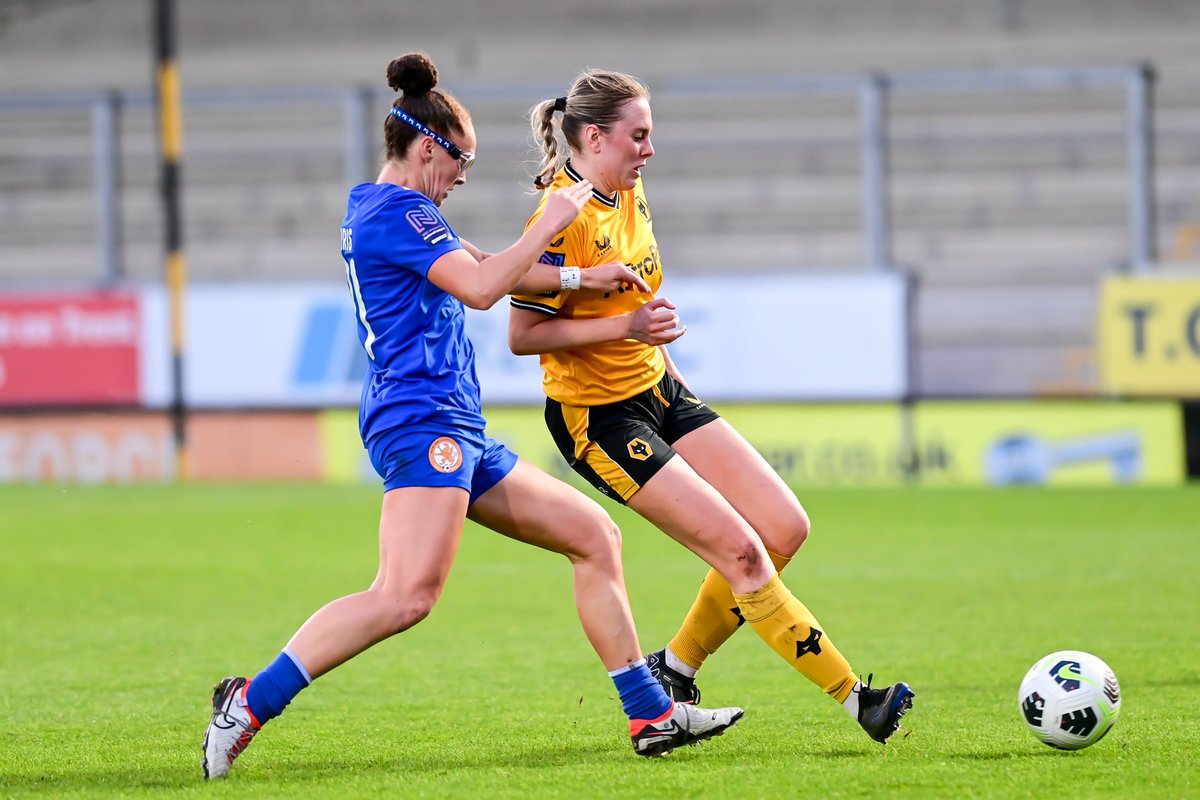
1069,699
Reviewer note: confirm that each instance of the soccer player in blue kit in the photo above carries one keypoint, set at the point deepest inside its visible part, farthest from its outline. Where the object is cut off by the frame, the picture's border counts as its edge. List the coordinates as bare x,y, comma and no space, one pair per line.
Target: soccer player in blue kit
410,276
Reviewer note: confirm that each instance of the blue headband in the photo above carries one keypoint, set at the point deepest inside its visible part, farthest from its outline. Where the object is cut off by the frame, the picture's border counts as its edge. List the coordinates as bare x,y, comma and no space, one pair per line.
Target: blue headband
454,150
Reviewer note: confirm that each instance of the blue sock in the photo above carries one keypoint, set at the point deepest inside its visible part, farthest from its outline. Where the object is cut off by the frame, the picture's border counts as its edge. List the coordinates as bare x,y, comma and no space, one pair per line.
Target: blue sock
274,687
641,695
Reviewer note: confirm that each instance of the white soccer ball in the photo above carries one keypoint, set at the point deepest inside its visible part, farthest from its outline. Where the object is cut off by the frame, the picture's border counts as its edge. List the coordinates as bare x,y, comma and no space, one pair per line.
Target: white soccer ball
1069,699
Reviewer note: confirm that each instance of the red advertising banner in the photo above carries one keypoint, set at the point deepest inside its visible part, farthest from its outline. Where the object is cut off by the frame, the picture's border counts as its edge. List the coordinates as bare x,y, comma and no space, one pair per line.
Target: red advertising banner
69,348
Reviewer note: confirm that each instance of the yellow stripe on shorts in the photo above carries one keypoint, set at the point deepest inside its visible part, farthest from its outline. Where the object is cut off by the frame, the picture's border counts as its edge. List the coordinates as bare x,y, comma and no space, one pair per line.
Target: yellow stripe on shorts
590,453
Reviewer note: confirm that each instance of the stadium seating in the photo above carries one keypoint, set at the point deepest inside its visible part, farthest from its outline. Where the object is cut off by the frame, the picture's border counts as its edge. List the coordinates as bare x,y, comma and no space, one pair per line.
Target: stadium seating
1007,205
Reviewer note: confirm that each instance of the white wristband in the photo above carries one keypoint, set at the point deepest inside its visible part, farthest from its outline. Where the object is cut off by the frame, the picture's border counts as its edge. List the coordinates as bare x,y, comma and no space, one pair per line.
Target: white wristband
568,277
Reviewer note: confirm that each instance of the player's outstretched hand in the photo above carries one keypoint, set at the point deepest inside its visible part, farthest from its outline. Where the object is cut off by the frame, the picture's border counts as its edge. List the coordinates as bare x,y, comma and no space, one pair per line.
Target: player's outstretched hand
564,205
656,323
611,276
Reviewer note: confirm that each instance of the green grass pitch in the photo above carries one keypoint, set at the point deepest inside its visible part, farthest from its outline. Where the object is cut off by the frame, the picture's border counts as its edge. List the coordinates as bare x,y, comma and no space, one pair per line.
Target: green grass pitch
120,606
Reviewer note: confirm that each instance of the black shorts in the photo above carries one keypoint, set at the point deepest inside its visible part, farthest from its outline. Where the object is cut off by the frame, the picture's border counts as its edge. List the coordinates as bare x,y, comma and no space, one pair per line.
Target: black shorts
619,446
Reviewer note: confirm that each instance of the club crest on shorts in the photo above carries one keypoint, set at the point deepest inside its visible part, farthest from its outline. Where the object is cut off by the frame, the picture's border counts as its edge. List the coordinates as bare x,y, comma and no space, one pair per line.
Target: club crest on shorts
639,449
445,454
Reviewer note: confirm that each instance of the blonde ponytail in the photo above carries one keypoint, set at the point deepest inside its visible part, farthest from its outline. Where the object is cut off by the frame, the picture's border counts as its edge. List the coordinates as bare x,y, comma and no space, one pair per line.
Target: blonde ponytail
541,120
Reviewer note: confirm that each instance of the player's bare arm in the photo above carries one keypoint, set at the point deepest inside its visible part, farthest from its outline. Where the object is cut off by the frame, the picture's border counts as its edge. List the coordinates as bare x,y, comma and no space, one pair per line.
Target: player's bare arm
608,277
479,284
476,253
531,332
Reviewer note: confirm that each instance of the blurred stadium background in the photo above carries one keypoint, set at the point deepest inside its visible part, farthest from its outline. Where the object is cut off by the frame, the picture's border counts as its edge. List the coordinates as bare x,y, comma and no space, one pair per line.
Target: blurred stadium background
963,235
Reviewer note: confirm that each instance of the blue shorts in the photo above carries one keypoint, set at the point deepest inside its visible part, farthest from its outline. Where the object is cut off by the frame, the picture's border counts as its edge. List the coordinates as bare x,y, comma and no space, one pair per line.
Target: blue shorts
433,455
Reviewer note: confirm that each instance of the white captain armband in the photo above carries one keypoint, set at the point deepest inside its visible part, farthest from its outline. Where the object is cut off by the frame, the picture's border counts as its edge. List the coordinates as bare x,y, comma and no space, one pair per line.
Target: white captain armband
568,278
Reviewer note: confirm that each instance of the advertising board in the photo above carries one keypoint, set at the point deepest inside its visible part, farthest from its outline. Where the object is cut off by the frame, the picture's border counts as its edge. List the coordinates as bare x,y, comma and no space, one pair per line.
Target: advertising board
1149,336
70,348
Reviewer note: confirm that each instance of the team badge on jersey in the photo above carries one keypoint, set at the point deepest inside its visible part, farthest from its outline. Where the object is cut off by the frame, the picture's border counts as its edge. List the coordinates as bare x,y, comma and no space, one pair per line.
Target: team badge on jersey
445,454
643,209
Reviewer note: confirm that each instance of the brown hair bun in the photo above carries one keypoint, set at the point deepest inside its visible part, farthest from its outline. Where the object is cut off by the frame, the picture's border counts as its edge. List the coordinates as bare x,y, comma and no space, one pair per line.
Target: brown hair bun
413,74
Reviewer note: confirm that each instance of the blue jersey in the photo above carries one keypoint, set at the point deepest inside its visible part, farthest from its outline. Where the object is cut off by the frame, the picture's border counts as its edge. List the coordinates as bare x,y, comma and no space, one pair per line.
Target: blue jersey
422,366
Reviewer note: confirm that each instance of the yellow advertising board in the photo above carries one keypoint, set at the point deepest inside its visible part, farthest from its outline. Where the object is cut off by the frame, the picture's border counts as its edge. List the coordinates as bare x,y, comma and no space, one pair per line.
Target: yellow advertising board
935,443
1052,442
822,445
1149,336
809,445
825,445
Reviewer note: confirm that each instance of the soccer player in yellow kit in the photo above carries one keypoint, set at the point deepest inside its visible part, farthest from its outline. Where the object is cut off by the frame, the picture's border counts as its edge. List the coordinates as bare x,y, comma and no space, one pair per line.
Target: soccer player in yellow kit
624,418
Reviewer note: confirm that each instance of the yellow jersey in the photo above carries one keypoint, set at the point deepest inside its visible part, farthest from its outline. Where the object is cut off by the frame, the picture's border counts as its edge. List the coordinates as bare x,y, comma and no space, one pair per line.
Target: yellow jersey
616,228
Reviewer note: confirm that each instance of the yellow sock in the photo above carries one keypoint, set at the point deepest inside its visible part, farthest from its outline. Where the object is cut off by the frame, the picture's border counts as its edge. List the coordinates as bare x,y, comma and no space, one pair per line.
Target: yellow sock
713,618
791,630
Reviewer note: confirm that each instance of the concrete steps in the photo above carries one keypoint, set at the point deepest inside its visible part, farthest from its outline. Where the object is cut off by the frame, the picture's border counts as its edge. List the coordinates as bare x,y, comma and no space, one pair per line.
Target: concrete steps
1010,206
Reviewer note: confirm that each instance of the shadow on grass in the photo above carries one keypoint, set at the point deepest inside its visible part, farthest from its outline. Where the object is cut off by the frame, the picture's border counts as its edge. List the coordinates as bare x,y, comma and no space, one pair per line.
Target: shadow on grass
431,762
838,753
271,768
290,766
1007,755
116,781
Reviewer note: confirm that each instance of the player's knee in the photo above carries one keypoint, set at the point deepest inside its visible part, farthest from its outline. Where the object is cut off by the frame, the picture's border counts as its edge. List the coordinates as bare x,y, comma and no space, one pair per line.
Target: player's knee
798,530
402,612
746,559
788,532
612,537
408,614
598,537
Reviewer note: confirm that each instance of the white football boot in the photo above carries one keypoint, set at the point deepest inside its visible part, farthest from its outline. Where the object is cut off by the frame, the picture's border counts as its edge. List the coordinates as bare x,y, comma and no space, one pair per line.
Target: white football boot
231,729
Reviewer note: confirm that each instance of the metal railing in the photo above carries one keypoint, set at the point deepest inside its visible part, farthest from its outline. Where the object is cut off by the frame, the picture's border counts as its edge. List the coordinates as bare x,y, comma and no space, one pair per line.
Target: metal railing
874,93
